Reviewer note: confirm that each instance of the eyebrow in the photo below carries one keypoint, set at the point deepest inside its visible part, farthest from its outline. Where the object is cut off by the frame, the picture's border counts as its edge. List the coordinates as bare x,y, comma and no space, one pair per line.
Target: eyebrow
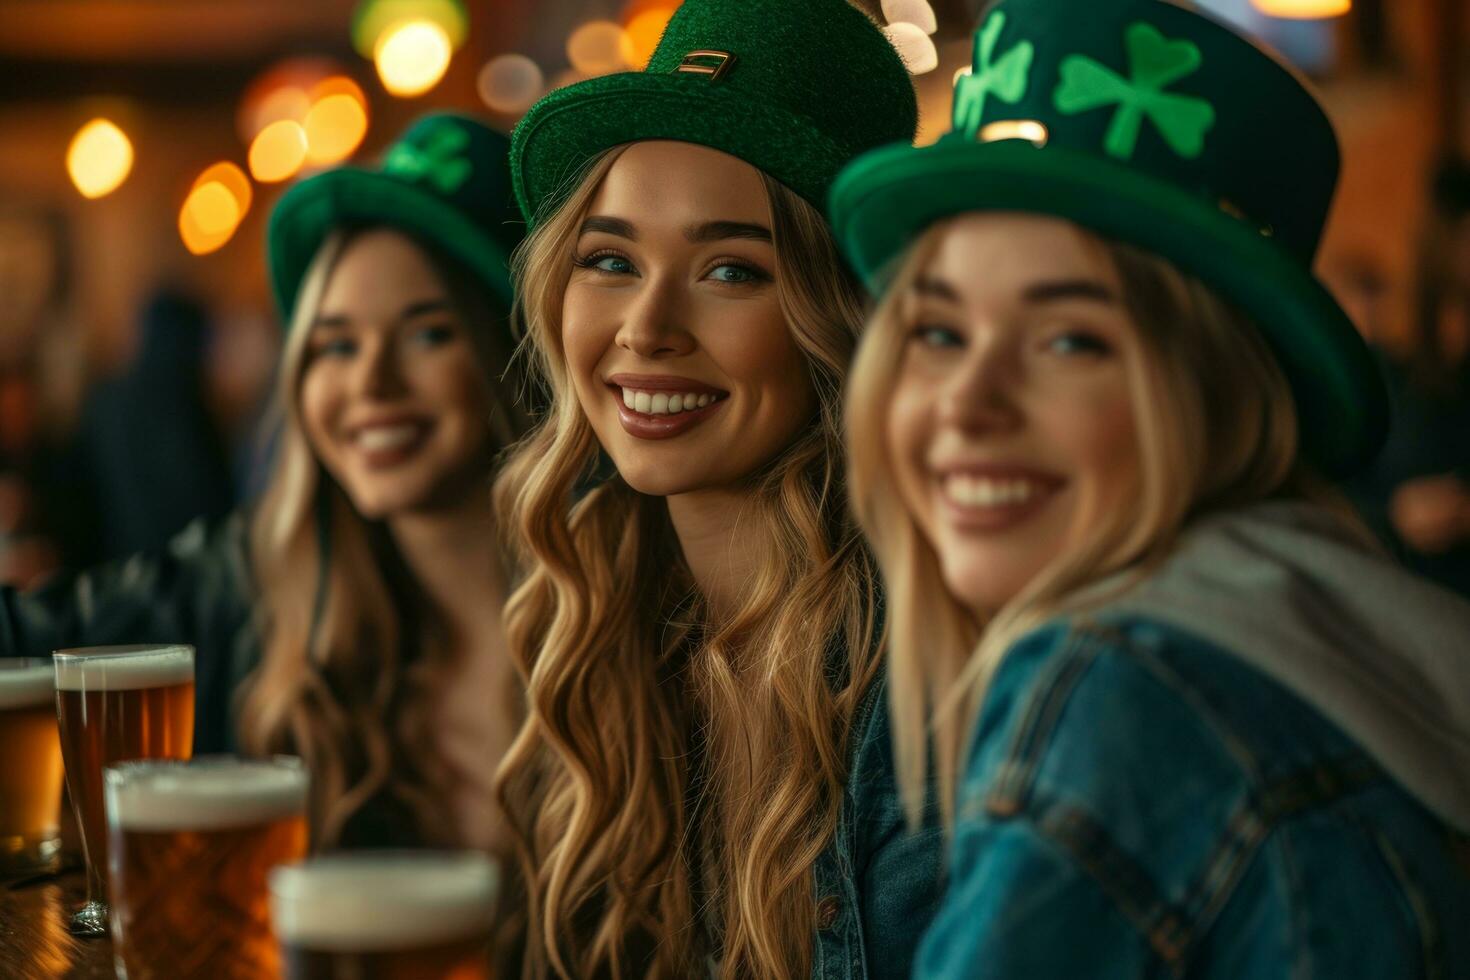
423,307
710,231
715,231
611,226
1041,292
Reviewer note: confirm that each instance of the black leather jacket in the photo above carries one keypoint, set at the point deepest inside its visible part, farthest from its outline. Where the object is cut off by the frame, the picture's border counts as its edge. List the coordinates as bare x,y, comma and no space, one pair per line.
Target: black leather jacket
199,591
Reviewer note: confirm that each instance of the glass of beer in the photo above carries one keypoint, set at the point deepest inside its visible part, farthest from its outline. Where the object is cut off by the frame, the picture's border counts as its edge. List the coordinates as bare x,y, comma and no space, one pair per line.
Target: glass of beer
406,915
30,778
189,847
116,704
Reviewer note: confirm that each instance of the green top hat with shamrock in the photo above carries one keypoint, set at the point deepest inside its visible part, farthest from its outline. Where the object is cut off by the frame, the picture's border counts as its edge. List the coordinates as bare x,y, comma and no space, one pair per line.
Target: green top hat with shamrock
796,88
1152,124
445,181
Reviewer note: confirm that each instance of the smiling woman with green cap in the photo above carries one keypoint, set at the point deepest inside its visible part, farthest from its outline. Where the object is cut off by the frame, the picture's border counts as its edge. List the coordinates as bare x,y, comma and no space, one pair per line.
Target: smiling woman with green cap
1186,720
352,617
704,774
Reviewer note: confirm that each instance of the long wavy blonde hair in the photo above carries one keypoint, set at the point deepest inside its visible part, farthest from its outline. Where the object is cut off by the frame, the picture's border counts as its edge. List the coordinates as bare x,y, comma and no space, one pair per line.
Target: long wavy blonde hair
1216,428
678,775
353,656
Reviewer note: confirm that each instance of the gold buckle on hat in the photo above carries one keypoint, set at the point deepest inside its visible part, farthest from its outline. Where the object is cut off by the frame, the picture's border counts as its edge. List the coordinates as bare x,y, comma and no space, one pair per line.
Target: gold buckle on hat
697,63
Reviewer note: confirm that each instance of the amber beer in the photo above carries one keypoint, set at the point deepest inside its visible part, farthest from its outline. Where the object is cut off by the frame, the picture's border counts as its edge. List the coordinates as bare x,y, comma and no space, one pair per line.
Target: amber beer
30,774
386,916
189,846
116,704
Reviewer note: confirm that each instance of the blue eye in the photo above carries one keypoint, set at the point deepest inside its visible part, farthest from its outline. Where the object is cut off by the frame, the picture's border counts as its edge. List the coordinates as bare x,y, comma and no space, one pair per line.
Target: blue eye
936,337
734,274
612,264
1079,342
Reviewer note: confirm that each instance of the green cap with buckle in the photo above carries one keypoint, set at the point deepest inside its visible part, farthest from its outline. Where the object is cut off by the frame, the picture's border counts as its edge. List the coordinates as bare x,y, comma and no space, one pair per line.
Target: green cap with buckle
1149,123
796,88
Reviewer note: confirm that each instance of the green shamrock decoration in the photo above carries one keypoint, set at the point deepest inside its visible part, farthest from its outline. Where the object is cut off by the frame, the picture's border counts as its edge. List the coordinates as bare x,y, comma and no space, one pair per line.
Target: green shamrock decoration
1154,63
1006,78
438,161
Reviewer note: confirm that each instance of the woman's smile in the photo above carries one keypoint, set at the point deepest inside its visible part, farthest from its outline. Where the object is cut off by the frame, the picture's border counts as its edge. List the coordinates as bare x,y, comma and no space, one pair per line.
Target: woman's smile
660,406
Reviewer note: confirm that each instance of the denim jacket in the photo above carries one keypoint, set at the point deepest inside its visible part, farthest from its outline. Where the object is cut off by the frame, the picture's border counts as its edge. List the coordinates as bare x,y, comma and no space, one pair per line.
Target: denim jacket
877,884
1254,768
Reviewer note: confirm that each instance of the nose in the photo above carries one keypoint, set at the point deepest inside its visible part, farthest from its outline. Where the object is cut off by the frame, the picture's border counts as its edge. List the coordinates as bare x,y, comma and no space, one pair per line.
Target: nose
651,326
982,394
379,373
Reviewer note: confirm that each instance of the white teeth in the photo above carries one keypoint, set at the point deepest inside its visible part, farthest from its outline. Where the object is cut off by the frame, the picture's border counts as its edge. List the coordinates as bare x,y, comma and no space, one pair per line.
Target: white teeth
663,403
381,437
978,491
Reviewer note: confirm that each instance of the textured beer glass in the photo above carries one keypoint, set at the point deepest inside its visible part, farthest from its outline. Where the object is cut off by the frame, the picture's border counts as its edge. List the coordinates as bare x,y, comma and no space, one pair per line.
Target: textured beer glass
116,704
30,765
407,915
189,848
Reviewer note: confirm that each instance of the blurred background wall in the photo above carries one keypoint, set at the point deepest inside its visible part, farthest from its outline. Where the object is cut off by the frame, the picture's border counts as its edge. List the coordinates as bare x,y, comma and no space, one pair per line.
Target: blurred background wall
193,85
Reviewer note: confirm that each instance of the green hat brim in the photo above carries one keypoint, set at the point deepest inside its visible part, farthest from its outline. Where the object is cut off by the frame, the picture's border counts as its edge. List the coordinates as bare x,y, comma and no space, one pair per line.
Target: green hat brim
308,212
565,130
886,199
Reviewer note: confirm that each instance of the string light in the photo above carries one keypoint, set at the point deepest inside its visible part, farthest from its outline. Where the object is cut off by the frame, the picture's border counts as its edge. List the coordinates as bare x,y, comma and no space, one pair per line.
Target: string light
914,47
1303,9
510,83
412,57
916,12
596,48
278,151
99,158
214,208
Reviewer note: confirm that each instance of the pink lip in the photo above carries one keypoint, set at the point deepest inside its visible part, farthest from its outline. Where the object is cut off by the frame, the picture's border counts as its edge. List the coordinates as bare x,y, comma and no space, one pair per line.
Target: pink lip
663,382
642,426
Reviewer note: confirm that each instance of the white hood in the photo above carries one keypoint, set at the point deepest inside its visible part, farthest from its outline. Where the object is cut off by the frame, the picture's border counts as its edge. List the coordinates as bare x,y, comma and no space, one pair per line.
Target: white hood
1382,653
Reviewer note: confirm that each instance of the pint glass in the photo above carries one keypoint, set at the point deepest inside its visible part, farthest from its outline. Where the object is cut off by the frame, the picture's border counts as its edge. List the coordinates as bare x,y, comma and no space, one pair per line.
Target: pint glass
30,775
115,704
386,916
189,848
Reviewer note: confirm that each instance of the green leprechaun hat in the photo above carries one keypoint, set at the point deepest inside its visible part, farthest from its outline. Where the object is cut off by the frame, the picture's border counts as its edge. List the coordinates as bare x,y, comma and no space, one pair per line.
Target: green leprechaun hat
446,181
796,88
1152,124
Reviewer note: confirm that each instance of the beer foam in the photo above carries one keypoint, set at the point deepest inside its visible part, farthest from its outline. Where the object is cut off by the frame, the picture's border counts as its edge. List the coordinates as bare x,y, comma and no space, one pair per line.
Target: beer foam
123,668
206,794
25,687
368,902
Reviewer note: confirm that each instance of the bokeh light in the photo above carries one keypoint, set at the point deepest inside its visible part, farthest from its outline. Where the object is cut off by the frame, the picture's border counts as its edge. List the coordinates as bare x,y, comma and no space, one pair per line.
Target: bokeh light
914,47
916,12
375,18
99,158
641,33
510,83
278,151
412,57
335,125
1303,9
214,208
596,48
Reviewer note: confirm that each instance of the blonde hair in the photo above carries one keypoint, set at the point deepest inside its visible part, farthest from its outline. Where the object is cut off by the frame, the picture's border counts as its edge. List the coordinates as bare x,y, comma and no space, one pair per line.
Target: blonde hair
1216,428
676,770
353,657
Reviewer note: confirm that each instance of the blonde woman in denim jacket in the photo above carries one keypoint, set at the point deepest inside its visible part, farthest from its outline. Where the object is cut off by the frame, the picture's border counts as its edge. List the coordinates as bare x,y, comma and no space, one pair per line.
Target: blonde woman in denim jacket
1187,722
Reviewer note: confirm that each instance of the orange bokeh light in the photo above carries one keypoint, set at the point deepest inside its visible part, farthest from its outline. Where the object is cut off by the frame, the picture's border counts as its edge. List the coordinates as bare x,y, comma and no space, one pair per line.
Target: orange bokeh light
278,151
641,32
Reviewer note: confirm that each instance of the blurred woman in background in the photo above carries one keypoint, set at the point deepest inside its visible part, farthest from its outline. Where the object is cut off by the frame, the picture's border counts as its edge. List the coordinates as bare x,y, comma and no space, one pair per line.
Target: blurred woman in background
353,617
